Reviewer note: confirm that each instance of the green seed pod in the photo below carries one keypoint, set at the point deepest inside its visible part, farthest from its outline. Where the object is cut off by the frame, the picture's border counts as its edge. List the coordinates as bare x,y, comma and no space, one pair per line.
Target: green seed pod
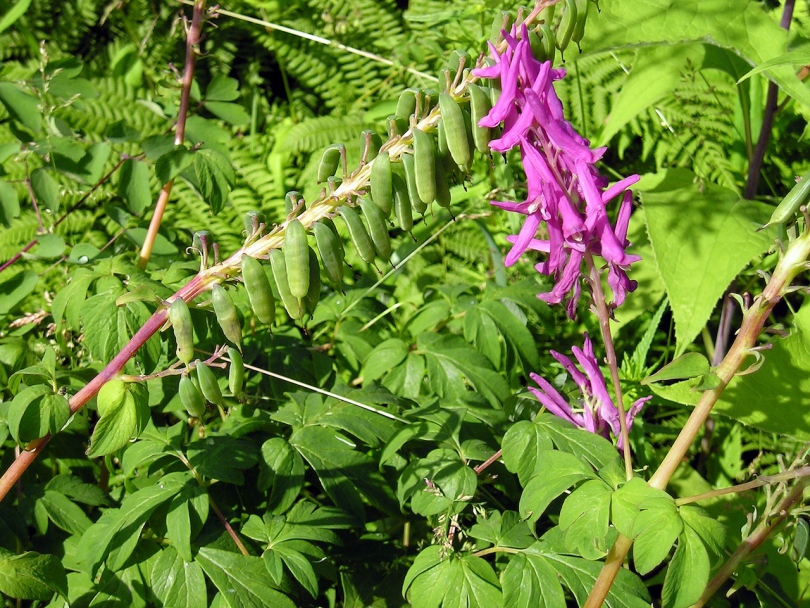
537,46
191,397
406,104
296,256
330,161
442,188
371,145
402,204
236,372
258,289
279,266
358,234
454,130
377,228
208,384
566,28
180,318
291,200
786,210
226,314
549,46
253,219
457,59
479,108
579,27
381,189
502,21
397,125
314,293
331,249
201,240
424,158
408,164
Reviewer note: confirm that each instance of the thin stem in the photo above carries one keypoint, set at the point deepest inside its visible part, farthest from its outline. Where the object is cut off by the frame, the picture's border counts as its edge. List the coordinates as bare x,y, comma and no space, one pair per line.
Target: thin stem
228,527
33,198
744,487
755,166
603,314
192,42
490,550
19,254
481,467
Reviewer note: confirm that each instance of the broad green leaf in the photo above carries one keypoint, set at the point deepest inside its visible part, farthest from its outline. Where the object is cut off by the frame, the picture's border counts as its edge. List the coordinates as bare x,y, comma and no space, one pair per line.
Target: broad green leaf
481,331
222,88
556,472
799,57
243,580
298,565
48,247
710,531
9,203
133,185
223,457
22,107
654,531
229,112
451,583
13,13
176,582
282,472
35,412
515,332
13,289
696,265
688,365
384,358
65,513
595,449
123,589
78,490
124,410
449,490
92,165
585,519
503,530
688,572
173,163
46,190
530,580
408,378
31,576
215,177
629,499
522,446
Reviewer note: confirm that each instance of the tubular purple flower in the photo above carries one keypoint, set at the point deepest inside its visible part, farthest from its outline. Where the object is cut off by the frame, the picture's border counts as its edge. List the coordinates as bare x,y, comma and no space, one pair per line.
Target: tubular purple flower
566,193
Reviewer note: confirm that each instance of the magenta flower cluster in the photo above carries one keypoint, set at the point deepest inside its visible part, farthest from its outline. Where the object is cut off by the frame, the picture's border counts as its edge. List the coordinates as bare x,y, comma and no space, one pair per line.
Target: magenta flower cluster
565,189
596,412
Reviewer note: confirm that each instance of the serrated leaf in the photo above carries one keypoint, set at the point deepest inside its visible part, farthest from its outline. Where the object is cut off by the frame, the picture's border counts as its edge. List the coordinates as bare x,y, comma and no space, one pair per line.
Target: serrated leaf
124,409
173,163
31,576
522,446
243,580
556,472
688,572
133,185
176,582
530,580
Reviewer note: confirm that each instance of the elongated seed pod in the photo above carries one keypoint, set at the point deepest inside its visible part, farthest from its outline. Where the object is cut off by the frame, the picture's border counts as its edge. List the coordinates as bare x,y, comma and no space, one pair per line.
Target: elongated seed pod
502,21
397,125
454,129
258,289
358,234
279,266
253,220
371,145
442,188
226,314
537,46
566,28
479,107
291,200
786,210
402,204
406,104
579,27
236,372
191,397
458,59
296,256
330,161
331,249
381,190
180,318
424,159
208,384
377,228
314,293
549,46
408,164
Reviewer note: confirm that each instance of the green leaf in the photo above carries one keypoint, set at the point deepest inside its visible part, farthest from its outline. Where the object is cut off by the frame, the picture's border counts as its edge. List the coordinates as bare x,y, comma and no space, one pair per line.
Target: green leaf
503,530
798,57
453,486
9,203
78,490
13,14
223,457
451,583
530,580
15,288
711,531
48,247
173,163
585,519
697,265
22,107
688,572
688,365
522,447
481,331
596,450
629,499
65,513
124,411
655,530
384,358
35,412
92,165
176,582
229,112
215,177
243,580
222,88
556,472
282,472
46,190
133,185
515,332
298,565
31,576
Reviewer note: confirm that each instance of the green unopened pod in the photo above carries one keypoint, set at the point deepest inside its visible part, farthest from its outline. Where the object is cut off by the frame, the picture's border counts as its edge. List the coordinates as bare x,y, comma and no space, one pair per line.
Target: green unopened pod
454,130
330,161
502,21
236,372
259,291
358,234
253,221
191,397
371,145
549,46
479,108
579,27
291,201
377,228
180,318
397,125
296,257
279,266
442,188
536,44
402,204
790,205
331,249
408,165
406,104
458,59
208,384
381,189
424,159
314,293
226,314
567,25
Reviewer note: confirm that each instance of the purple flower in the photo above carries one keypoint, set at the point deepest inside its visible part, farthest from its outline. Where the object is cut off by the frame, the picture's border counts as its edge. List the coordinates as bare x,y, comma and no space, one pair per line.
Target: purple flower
595,412
566,193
